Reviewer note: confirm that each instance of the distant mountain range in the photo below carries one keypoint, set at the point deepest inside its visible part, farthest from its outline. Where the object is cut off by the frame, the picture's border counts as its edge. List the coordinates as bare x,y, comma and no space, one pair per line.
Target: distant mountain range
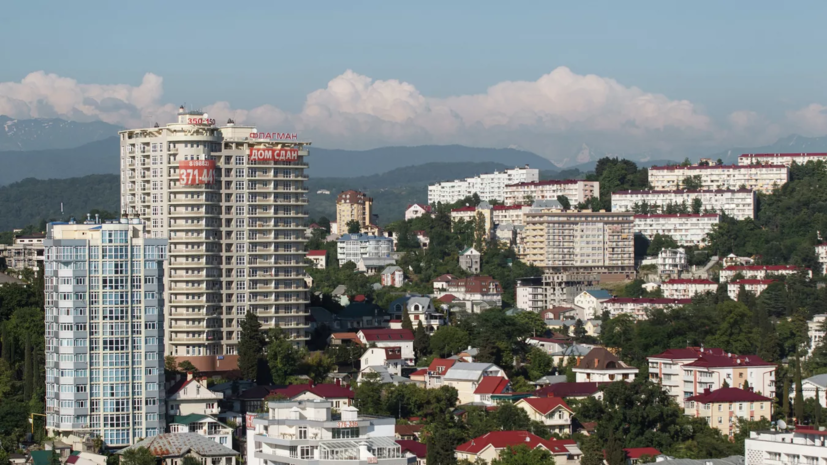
51,133
99,157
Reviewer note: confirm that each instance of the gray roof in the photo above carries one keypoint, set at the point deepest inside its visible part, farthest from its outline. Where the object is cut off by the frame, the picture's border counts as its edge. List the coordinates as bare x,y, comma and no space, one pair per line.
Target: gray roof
547,203
410,300
732,460
552,322
551,379
818,380
391,269
377,261
376,286
6,279
341,289
576,350
467,371
179,444
385,377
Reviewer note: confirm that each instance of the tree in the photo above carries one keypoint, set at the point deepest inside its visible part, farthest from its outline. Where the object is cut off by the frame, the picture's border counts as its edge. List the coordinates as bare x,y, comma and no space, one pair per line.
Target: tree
564,202
251,344
697,205
28,375
138,456
318,366
421,340
324,222
539,363
799,391
442,438
592,451
282,356
187,367
368,395
406,318
614,451
693,183
448,340
785,402
579,331
170,364
353,227
660,242
522,455
480,233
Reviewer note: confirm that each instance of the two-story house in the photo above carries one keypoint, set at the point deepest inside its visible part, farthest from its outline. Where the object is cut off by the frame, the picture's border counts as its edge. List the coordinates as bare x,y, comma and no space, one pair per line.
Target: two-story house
204,425
305,433
722,408
401,338
434,376
600,365
490,386
388,357
592,301
550,411
191,395
420,309
466,377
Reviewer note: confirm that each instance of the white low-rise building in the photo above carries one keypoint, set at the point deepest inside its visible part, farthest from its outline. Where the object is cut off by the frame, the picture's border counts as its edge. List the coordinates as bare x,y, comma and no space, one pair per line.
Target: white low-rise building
312,433
592,301
490,186
815,329
416,210
190,395
553,412
685,228
815,387
318,257
763,178
466,378
388,357
355,247
475,288
575,190
382,338
600,365
802,445
753,286
637,307
739,204
687,288
671,262
392,276
420,310
761,271
785,159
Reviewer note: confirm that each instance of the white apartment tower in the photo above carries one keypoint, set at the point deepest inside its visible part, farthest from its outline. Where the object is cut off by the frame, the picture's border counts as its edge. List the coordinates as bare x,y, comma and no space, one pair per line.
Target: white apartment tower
232,202
104,332
488,186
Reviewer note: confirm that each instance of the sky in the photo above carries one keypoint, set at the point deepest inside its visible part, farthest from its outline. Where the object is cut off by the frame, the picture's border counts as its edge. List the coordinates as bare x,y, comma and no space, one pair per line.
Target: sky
563,79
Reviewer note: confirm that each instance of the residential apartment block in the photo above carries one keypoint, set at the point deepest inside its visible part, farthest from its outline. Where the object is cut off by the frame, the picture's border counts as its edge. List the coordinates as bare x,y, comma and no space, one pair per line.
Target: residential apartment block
722,408
637,307
671,262
355,247
763,178
753,286
739,204
353,206
785,159
25,252
580,242
233,205
761,271
104,331
576,191
551,289
803,444
686,229
489,186
305,433
687,288
687,372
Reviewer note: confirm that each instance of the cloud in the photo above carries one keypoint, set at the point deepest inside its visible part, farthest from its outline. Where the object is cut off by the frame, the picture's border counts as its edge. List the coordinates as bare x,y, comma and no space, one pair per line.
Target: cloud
555,115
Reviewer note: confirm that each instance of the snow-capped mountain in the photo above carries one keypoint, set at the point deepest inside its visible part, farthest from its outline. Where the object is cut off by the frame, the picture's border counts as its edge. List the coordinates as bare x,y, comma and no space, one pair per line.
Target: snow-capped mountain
50,133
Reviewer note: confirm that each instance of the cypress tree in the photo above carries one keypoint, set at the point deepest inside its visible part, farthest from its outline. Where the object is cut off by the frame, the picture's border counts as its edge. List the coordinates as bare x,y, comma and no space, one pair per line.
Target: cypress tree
785,402
817,410
799,391
406,318
8,346
250,346
421,340
28,376
614,451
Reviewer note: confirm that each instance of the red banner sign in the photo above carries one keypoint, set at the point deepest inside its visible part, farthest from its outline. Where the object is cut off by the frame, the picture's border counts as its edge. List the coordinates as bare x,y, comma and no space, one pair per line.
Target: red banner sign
249,420
192,172
268,154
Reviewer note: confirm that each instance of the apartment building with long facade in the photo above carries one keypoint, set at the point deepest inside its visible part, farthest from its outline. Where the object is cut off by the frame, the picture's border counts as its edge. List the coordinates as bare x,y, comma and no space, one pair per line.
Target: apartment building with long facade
489,186
104,298
785,159
761,271
739,204
685,228
763,178
584,242
687,288
637,307
25,252
353,206
575,190
232,202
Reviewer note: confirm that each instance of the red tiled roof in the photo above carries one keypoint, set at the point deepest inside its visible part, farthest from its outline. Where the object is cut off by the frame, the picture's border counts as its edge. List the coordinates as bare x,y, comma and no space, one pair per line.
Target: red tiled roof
408,430
445,363
179,385
427,208
316,253
73,459
326,391
380,335
712,167
549,182
503,439
729,394
645,301
753,281
680,215
447,298
683,191
421,372
492,385
464,209
762,268
569,389
416,448
445,278
708,360
507,207
689,281
544,405
476,284
638,452
393,353
359,298
680,354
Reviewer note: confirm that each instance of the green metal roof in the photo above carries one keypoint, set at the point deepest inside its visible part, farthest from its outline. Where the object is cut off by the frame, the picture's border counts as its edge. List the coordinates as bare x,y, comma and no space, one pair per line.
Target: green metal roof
41,457
194,418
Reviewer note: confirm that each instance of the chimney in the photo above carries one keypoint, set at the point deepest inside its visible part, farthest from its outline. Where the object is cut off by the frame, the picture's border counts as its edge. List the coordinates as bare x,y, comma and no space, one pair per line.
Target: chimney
189,375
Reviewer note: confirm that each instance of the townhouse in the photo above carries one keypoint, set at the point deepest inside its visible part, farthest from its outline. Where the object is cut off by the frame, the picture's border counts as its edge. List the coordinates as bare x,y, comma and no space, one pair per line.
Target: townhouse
686,229
687,288
739,204
722,408
637,307
763,178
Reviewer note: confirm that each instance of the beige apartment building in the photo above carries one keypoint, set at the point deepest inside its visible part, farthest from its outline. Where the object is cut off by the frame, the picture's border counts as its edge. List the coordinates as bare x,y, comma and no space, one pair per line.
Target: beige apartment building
576,190
232,202
353,205
763,178
582,242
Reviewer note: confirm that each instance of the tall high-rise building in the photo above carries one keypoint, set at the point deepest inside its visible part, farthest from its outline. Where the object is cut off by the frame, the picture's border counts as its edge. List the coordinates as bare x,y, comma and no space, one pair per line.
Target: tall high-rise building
232,202
353,206
104,331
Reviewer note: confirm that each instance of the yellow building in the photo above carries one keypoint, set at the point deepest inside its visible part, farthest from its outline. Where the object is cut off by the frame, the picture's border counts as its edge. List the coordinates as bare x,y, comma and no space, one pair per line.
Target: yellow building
723,407
353,205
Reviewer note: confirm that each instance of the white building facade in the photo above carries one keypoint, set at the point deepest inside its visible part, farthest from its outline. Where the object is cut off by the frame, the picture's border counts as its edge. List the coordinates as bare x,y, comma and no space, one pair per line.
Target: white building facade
232,202
686,229
104,332
763,178
785,159
671,262
804,445
576,191
637,307
739,204
489,186
354,247
687,288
